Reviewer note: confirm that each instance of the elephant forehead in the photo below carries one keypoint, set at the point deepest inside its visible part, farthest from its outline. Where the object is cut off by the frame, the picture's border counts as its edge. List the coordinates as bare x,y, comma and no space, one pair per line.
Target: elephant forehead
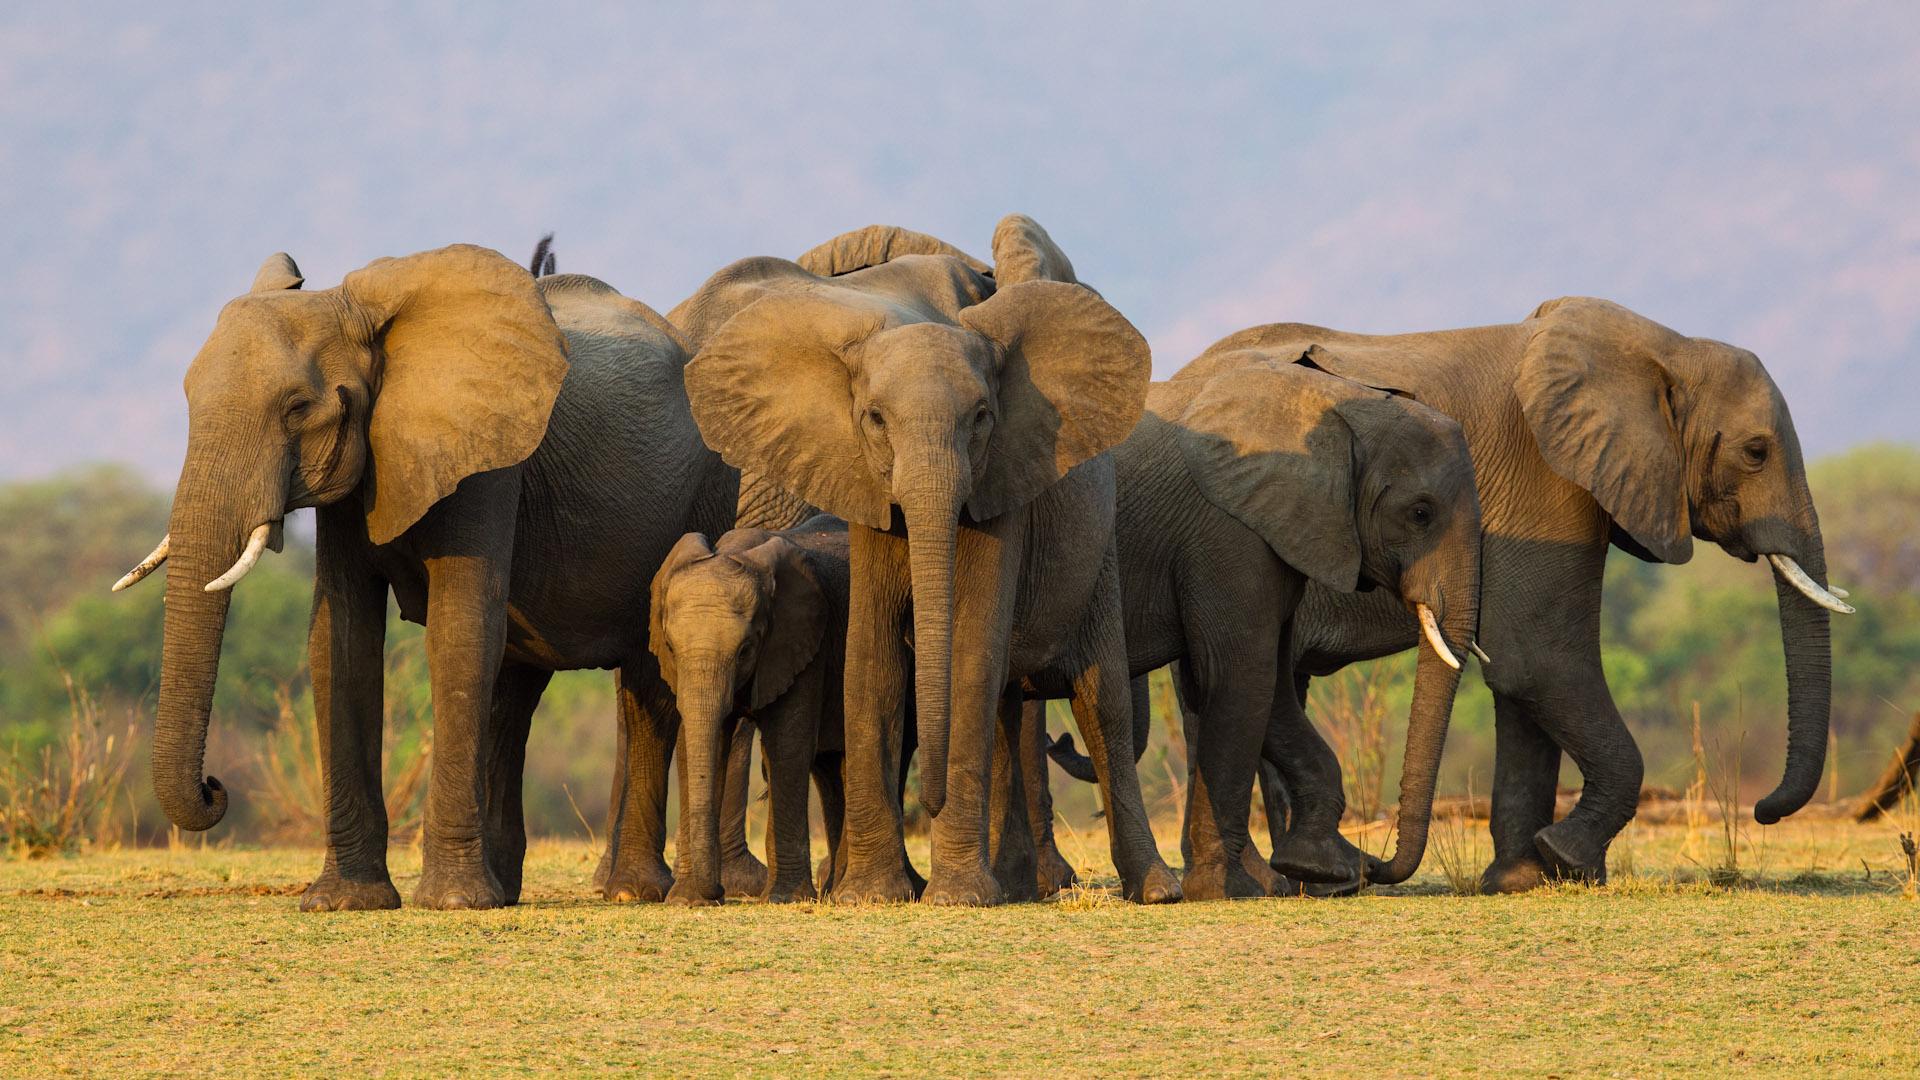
268,332
925,356
713,585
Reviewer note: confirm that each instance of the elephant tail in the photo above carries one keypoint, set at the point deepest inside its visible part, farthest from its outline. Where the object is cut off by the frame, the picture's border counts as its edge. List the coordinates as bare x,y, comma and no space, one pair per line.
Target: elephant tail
1071,760
542,264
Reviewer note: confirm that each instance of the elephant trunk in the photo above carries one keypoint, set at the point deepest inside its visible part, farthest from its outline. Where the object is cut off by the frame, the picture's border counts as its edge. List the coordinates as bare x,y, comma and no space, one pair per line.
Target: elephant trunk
205,541
705,708
1805,636
1454,573
933,517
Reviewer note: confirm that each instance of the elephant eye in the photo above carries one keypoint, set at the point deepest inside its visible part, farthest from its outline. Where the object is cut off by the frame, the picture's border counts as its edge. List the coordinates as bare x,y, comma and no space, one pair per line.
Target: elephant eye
874,418
1755,452
1422,514
297,409
981,415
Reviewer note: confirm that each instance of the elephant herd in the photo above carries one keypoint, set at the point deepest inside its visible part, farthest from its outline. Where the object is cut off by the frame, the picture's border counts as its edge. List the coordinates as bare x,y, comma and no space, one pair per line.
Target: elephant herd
880,503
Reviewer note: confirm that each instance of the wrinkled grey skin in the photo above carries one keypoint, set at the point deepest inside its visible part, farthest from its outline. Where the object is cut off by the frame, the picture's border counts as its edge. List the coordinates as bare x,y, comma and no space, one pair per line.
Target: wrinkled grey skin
1250,476
512,461
1588,424
960,428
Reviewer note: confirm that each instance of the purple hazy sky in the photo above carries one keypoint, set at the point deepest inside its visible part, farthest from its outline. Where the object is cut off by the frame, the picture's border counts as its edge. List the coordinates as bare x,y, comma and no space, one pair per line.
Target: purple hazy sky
1746,172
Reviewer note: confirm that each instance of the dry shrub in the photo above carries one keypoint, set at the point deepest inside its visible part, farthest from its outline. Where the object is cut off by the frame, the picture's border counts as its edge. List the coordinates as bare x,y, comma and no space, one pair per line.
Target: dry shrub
62,801
1455,843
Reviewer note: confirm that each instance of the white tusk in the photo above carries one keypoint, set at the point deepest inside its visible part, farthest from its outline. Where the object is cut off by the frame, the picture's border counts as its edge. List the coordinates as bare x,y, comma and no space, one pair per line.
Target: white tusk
256,544
147,565
1480,652
1838,591
1431,628
1798,579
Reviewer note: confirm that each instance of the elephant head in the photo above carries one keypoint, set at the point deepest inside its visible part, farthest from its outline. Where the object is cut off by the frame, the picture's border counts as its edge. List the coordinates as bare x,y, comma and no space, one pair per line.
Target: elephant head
392,387
732,625
1353,487
1681,437
860,401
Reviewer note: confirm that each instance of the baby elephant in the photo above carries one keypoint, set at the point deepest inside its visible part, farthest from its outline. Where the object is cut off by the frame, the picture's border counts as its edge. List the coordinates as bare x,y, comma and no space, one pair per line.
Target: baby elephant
755,626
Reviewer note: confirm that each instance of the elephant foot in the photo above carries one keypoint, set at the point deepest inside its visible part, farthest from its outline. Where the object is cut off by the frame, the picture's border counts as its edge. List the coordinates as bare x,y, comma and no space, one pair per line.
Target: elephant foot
1523,874
1054,875
1572,852
1318,858
790,892
687,892
458,890
1210,880
331,892
645,885
887,886
1157,886
744,876
972,886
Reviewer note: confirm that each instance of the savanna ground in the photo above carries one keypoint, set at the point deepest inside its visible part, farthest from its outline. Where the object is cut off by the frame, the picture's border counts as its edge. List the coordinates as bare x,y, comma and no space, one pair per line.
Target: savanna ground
1802,952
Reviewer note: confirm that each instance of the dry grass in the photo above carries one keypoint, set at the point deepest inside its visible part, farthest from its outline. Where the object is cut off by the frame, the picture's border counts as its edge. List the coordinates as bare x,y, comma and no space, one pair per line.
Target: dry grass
1351,710
197,961
290,791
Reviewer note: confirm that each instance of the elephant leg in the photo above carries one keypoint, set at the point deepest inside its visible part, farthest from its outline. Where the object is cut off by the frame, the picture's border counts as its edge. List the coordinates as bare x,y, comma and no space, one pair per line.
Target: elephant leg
833,810
1274,796
741,874
1052,872
1184,694
616,802
1312,849
987,561
1234,715
1103,703
516,694
1010,837
345,644
1526,780
787,738
650,725
466,543
876,684
1580,715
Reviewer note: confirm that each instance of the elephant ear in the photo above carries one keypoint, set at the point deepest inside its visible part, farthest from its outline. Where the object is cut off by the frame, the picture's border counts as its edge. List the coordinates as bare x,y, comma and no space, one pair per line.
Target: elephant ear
470,365
689,549
1597,399
276,274
876,245
1266,443
773,397
1022,251
1072,383
796,621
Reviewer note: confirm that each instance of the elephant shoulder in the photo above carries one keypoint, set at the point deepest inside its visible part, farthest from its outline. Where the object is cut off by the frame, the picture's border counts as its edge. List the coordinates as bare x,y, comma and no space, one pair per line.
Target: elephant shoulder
732,288
584,306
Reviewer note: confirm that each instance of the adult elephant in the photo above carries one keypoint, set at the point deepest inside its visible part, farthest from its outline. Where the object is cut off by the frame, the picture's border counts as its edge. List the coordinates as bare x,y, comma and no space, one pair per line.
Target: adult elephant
1253,473
512,460
1588,425
959,425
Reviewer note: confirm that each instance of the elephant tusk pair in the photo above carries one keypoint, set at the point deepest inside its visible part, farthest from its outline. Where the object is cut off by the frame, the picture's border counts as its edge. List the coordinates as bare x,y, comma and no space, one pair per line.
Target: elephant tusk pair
256,544
1431,628
147,565
1829,599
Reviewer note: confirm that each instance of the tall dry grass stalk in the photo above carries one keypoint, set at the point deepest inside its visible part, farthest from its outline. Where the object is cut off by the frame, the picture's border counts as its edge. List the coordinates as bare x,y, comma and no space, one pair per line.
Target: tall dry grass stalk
1455,843
1351,709
63,800
1695,800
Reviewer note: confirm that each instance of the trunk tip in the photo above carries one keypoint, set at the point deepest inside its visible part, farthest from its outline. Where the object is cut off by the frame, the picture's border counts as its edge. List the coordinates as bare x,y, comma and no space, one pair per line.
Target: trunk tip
199,811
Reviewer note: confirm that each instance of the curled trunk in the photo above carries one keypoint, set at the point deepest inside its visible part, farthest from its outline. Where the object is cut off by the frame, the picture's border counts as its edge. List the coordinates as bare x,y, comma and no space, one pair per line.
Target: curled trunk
1805,636
205,543
1434,685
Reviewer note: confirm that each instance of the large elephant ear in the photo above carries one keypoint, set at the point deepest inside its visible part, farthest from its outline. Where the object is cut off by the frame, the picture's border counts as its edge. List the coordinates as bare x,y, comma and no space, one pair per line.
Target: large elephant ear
796,622
276,274
876,245
1022,251
773,397
689,549
1072,383
1266,443
471,363
1596,396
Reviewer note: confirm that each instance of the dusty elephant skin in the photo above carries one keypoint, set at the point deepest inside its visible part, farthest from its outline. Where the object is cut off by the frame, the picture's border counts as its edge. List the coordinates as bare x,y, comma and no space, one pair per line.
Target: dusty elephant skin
1259,474
1589,424
959,426
755,625
513,460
